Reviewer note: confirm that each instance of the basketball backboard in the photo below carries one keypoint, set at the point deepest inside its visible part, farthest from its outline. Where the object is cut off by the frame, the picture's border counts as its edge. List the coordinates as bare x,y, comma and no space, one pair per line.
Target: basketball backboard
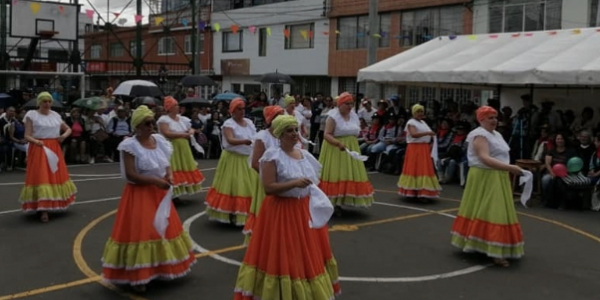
28,18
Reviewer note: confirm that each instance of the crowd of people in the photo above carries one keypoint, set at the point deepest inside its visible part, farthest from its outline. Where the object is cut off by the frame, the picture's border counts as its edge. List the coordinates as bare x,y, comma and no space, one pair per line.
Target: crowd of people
268,180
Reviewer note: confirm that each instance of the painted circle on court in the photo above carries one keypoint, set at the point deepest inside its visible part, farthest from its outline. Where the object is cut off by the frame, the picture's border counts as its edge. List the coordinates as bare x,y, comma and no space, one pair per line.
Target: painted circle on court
197,247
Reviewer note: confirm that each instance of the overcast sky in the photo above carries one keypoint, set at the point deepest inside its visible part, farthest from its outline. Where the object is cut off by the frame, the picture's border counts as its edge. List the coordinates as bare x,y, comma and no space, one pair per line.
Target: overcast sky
115,6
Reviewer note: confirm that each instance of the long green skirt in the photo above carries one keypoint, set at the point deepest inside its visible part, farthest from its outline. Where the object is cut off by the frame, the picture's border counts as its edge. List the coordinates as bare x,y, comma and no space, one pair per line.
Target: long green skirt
487,221
344,179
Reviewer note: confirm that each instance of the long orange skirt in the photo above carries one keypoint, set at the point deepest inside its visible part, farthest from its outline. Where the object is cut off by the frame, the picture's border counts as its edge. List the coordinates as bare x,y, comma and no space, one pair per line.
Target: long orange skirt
418,177
135,253
44,190
286,258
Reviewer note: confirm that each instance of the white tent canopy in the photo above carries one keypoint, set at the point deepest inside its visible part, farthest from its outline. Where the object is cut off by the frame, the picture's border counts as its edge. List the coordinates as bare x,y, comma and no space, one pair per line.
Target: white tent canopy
562,57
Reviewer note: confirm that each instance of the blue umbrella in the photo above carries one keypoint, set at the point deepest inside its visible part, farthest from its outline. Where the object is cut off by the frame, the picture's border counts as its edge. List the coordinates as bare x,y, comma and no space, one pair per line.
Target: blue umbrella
6,100
227,97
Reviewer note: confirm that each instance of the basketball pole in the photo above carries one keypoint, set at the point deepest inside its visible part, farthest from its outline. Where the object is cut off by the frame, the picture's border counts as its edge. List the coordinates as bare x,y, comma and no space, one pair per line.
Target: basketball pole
138,40
3,15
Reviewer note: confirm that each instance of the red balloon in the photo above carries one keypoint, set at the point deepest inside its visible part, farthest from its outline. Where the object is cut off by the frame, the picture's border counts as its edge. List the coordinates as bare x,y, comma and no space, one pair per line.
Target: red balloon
559,170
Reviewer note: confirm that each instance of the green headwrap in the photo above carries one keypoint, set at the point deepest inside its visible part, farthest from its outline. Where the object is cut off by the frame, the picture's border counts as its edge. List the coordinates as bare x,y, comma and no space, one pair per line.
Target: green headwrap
43,96
281,123
139,114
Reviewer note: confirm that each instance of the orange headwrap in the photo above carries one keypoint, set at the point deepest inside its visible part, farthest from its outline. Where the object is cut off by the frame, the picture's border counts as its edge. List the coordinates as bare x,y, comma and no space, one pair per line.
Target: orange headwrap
235,104
345,97
270,112
169,103
484,112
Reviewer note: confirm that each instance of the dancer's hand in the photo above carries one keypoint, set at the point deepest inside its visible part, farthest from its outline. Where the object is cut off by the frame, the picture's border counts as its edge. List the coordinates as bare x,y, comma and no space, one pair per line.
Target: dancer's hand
302,182
516,170
169,178
341,146
192,131
162,184
248,142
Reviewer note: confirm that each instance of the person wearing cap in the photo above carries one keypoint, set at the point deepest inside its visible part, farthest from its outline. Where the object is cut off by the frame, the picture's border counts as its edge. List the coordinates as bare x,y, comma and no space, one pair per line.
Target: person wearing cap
366,111
187,179
138,251
418,179
118,128
48,186
343,178
263,141
286,259
487,221
234,185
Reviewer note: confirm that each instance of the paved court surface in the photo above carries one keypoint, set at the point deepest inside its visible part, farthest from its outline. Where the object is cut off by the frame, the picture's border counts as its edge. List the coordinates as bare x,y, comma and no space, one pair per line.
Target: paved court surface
393,250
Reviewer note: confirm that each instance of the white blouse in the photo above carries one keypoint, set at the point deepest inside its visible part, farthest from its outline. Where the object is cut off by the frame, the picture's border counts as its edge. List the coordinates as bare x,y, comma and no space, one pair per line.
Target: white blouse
420,126
289,168
183,125
241,133
44,126
351,127
498,148
148,162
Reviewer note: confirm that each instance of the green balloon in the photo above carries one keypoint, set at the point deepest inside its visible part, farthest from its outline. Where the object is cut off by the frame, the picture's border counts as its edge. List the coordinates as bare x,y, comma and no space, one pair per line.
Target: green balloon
574,165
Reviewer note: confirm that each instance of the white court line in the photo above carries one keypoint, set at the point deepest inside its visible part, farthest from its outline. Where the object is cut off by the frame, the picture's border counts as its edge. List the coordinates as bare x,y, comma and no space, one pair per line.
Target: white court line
83,202
76,180
187,225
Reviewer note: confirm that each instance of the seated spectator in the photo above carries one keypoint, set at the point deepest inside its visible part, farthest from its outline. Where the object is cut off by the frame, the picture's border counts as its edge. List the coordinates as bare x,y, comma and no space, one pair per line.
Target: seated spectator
395,157
552,187
542,145
74,147
594,165
585,149
373,136
16,132
364,131
444,136
387,136
451,160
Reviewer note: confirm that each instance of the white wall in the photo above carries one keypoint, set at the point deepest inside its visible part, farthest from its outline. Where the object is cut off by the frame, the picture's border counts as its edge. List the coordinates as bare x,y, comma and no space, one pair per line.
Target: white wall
313,61
481,17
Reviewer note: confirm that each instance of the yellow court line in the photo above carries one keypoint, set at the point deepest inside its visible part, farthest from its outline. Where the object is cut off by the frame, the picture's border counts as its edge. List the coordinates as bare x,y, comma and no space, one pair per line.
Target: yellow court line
352,227
50,288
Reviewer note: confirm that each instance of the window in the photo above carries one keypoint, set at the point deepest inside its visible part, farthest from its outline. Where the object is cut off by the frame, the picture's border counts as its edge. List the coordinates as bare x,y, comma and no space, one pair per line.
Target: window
58,55
96,51
236,87
166,46
594,14
116,50
188,44
524,15
233,42
422,25
301,36
133,48
262,42
352,31
385,24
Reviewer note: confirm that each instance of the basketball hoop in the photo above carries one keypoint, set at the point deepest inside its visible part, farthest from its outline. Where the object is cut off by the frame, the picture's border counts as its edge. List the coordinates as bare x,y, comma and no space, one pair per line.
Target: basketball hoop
46,34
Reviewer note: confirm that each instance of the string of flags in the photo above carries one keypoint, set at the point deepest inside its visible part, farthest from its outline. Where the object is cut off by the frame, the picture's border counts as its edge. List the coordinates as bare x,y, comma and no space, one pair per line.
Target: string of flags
306,34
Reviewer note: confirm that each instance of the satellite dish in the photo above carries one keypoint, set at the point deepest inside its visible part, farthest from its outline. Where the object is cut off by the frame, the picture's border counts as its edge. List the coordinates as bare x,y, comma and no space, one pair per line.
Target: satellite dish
122,21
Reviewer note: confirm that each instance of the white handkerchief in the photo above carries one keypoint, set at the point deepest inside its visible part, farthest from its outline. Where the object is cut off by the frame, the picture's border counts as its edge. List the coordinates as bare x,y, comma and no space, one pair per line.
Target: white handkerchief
52,159
527,179
196,145
434,151
161,218
305,141
357,155
320,208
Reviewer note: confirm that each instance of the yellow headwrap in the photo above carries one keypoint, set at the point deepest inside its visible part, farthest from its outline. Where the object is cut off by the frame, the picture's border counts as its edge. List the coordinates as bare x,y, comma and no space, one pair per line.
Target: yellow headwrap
288,100
139,114
281,123
416,108
44,96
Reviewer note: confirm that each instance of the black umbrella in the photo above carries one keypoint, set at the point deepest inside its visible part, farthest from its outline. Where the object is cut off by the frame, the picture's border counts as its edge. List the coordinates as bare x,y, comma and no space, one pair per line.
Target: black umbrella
276,78
138,88
33,104
196,80
195,101
6,100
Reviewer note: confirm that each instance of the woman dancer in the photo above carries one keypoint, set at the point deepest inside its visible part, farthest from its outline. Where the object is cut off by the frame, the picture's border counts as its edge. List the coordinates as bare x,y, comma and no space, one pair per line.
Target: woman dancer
263,140
343,178
138,252
48,187
286,258
187,179
418,178
234,185
487,221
